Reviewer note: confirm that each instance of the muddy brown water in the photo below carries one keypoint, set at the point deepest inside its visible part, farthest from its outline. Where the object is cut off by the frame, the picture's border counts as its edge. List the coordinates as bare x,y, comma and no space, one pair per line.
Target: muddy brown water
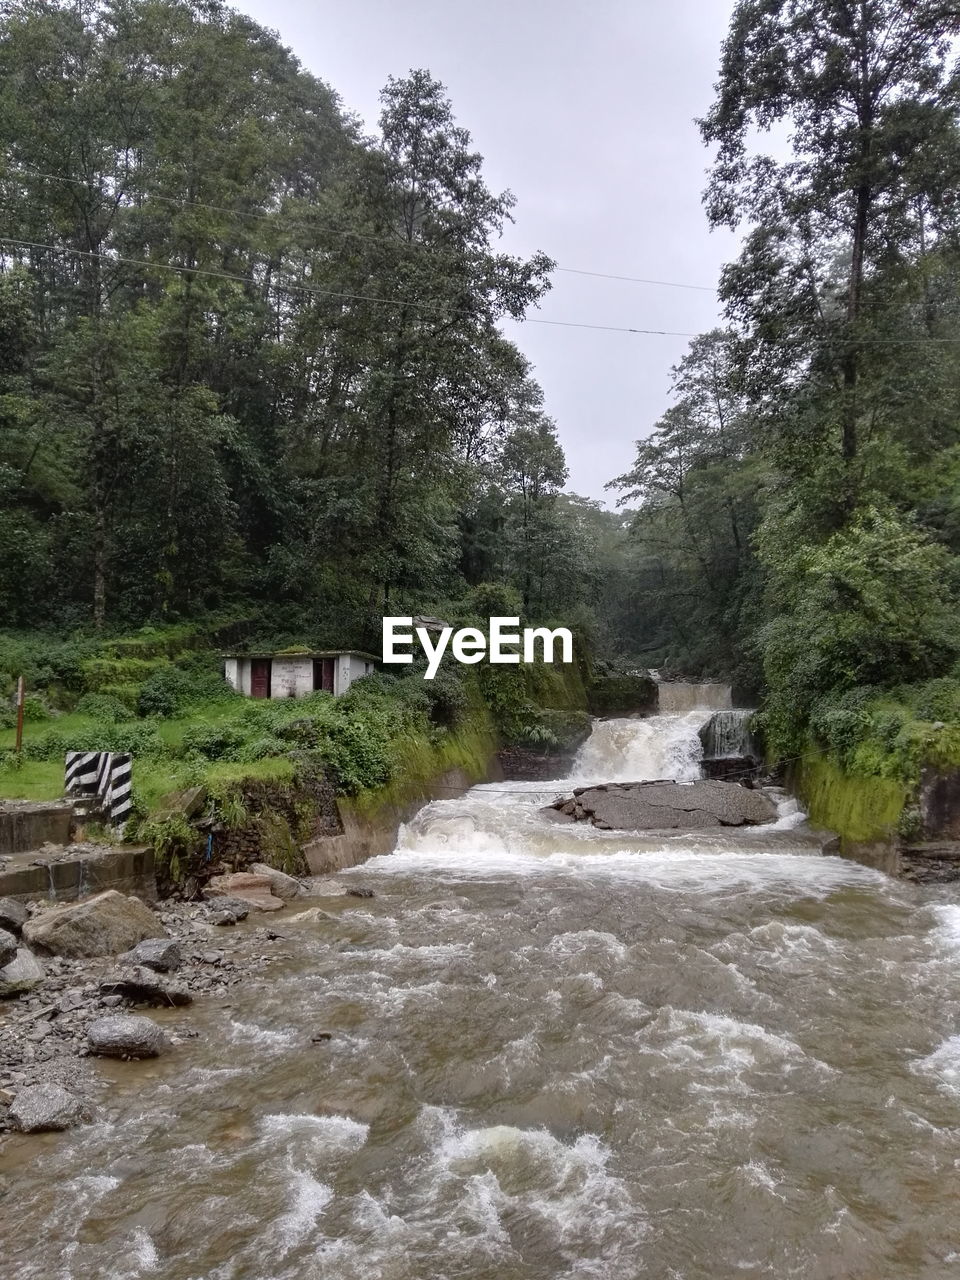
553,1052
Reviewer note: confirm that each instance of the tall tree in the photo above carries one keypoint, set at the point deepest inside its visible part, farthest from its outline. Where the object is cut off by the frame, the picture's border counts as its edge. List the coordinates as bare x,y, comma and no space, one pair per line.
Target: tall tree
866,89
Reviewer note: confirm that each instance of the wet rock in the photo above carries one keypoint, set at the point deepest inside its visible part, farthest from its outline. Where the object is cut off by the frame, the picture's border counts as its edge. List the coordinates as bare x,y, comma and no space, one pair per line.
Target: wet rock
104,925
13,915
359,893
125,1036
161,954
8,947
223,918
42,1108
281,885
313,915
236,906
143,986
256,891
658,806
22,974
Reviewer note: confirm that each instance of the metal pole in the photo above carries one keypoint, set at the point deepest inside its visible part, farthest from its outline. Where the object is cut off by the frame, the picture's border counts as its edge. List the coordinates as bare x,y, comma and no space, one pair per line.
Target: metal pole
19,714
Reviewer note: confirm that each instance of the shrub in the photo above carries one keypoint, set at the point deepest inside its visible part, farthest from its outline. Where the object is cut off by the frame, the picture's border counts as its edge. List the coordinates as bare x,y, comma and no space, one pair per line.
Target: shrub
213,742
103,706
172,689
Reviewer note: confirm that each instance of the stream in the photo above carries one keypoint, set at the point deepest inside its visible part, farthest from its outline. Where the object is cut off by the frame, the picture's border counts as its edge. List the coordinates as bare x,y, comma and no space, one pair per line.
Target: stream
554,1052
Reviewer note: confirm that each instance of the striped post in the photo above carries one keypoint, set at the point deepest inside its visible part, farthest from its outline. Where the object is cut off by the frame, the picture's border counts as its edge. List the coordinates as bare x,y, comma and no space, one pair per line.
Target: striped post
105,777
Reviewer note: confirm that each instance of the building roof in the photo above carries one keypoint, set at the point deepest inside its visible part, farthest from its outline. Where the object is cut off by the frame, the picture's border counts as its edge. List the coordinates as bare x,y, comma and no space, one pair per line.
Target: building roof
305,653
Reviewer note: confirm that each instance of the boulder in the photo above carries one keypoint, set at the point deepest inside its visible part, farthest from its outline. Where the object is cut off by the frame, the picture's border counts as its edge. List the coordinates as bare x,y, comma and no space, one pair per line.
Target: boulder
312,915
161,954
255,890
104,925
41,1108
13,915
281,885
8,947
143,986
125,1036
659,806
22,974
236,907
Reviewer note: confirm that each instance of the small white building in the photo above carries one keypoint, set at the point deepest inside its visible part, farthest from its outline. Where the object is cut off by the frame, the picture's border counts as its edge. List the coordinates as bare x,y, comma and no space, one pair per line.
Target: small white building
294,675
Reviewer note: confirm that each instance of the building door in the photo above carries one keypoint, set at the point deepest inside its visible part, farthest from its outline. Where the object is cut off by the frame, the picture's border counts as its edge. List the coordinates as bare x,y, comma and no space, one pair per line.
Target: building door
260,678
323,674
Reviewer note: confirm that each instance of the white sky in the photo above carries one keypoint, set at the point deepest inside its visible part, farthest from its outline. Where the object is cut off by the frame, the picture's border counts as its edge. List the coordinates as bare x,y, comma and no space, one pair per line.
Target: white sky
585,111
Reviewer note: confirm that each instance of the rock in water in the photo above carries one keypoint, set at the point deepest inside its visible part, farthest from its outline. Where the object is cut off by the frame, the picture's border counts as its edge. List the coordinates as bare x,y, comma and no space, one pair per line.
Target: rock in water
235,907
13,915
125,1036
255,890
8,947
41,1108
281,885
161,954
101,926
659,806
22,974
312,915
143,986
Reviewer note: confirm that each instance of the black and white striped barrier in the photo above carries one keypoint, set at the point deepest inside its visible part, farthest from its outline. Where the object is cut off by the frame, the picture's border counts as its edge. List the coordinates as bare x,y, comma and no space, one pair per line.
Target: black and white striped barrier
103,776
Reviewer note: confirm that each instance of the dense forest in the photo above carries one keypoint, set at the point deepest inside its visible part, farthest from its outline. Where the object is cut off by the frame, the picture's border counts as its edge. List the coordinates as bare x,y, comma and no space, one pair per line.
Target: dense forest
251,362
248,354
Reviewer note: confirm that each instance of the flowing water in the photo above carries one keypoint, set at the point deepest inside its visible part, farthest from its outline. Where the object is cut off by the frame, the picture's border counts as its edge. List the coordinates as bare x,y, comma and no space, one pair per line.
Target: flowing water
555,1052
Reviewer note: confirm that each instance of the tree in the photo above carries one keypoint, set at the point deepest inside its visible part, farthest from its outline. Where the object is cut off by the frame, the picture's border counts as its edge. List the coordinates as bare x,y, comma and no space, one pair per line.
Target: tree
866,89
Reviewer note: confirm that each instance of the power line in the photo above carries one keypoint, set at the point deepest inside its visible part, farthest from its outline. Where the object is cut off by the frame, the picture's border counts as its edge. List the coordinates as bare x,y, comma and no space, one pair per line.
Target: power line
434,308
358,235
667,284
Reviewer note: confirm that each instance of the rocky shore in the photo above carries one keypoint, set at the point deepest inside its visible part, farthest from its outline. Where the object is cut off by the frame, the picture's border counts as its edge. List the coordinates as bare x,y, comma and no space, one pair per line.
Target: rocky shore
77,982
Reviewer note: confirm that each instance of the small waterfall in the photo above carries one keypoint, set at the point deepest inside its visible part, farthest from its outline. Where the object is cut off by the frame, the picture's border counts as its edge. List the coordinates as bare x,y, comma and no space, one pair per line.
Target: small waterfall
677,697
726,734
666,746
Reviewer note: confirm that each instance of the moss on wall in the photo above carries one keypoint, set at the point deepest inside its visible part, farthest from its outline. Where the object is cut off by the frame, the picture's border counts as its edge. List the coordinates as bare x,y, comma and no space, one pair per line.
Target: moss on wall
421,759
623,694
859,808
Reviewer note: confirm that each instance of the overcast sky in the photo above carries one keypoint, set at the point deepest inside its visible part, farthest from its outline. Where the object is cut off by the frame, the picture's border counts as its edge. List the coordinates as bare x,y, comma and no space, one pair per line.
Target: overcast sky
585,111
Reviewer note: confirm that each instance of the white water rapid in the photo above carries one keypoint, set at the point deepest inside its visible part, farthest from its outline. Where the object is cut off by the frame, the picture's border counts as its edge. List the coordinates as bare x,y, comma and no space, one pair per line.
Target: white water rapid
540,1052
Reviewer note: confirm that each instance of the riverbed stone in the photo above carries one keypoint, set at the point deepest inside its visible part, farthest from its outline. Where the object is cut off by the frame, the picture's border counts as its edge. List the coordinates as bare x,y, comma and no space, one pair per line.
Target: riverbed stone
281,885
103,925
43,1108
13,915
8,947
22,974
254,890
143,986
312,915
125,1036
236,906
659,806
161,954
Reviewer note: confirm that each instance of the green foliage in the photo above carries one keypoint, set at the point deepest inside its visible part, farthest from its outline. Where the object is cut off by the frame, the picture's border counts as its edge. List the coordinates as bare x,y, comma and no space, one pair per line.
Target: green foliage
874,605
104,707
173,689
623,693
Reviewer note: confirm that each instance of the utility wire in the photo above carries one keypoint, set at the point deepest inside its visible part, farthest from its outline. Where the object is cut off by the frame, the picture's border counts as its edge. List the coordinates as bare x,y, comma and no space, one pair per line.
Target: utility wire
351,234
433,308
428,307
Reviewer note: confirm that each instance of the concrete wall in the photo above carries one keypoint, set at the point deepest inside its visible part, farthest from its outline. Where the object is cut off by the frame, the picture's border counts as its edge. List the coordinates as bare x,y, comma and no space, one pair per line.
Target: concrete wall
291,677
64,879
370,836
28,826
